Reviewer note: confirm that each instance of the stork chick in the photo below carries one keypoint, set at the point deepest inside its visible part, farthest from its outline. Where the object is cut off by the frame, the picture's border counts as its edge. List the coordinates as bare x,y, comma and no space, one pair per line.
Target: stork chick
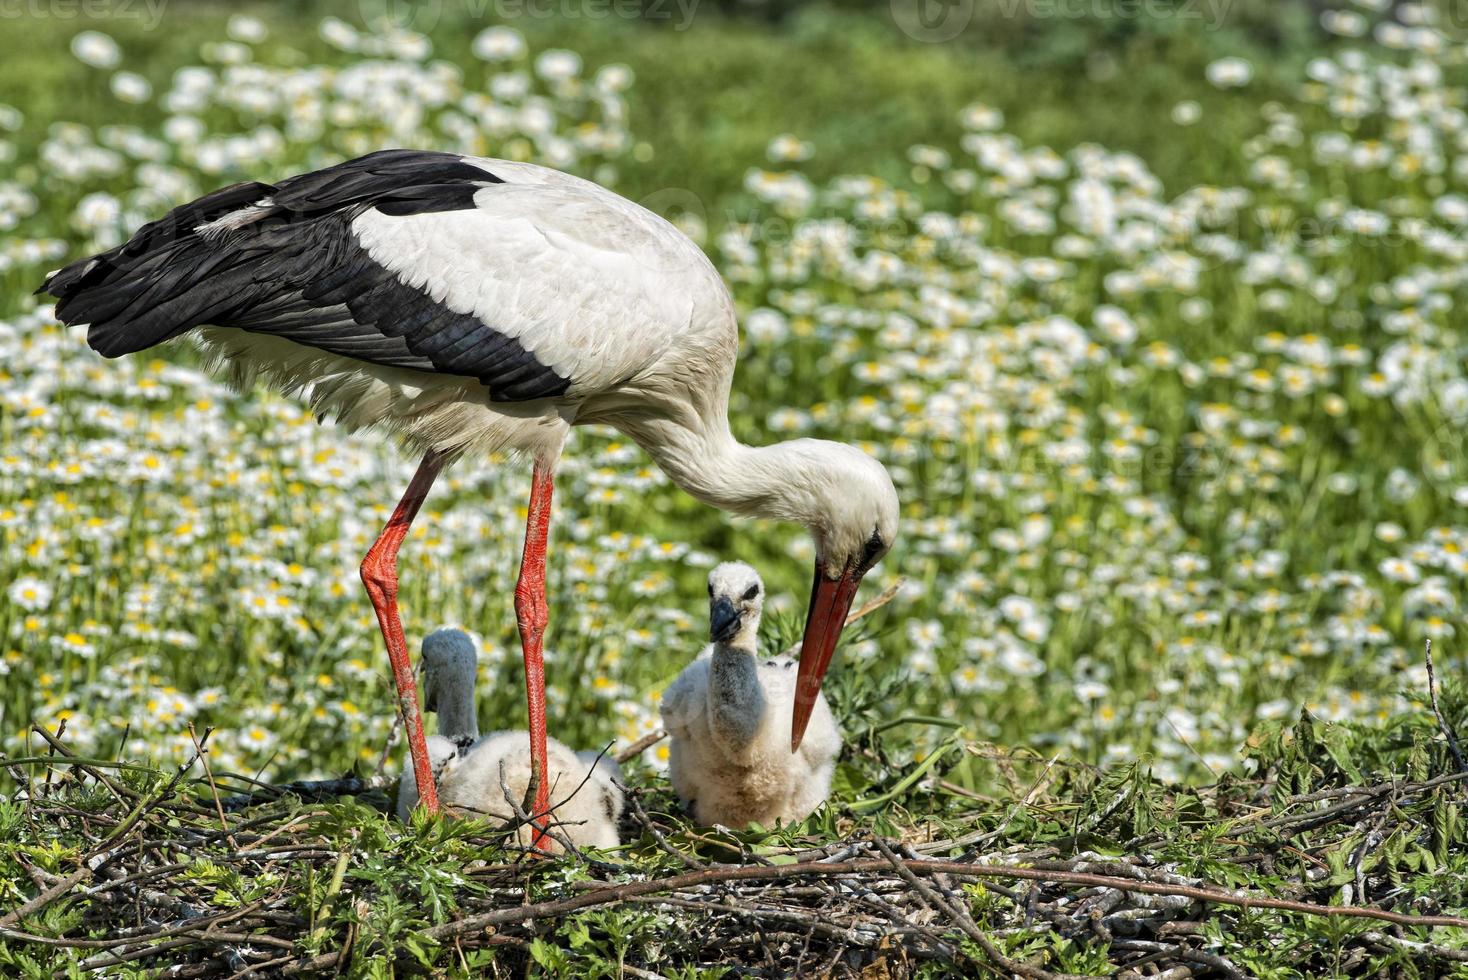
729,716
585,791
448,664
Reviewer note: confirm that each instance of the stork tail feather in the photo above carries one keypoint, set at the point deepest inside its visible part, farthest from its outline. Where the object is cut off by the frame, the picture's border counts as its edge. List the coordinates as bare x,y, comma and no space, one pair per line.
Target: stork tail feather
141,293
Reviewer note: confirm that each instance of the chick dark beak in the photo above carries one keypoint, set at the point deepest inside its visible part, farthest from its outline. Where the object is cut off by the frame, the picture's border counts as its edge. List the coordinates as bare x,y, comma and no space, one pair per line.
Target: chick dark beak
830,601
723,621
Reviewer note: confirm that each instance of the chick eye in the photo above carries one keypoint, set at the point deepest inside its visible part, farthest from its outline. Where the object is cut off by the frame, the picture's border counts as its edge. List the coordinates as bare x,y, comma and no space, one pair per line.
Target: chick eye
711,588
751,592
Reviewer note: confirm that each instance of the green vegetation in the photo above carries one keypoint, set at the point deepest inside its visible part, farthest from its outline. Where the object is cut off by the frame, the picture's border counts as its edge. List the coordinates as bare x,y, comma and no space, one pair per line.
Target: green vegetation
1064,871
1155,328
709,97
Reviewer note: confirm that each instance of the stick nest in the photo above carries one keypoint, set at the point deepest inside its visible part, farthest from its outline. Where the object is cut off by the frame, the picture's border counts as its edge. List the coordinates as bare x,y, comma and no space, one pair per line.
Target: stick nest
1324,863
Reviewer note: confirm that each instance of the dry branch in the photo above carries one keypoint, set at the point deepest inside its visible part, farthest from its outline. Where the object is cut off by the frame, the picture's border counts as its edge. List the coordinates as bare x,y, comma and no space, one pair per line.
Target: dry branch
837,906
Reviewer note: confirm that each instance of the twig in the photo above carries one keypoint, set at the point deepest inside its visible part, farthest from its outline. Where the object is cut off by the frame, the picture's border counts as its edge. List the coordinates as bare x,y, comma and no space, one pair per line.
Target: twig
862,611
392,740
1164,950
965,922
117,790
1415,946
208,774
611,894
688,861
638,747
1442,723
522,818
980,838
1367,795
109,943
310,790
338,875
806,920
46,897
870,897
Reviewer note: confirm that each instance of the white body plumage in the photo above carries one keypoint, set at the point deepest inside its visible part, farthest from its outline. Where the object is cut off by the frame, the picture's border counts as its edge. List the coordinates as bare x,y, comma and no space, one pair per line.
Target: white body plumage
474,306
575,274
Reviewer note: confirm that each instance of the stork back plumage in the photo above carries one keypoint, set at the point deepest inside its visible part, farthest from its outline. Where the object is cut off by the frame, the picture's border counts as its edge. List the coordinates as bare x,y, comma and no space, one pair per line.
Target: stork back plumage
283,259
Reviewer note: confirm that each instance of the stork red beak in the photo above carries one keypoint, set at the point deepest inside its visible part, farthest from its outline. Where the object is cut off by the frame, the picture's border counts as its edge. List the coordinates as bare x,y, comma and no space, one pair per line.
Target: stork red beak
830,601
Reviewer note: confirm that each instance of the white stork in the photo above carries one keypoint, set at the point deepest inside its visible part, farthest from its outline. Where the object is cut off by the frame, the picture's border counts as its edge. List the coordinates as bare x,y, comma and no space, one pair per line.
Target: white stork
474,306
727,759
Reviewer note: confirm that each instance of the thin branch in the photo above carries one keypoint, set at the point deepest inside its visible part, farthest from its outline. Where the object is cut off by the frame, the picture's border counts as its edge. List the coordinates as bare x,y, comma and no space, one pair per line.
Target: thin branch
862,611
46,897
687,860
392,741
961,916
117,789
310,790
209,774
521,818
621,892
644,743
1442,723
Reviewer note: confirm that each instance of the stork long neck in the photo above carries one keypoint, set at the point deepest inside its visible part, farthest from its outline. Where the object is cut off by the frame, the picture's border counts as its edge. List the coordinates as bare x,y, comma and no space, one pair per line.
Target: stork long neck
457,718
736,700
701,455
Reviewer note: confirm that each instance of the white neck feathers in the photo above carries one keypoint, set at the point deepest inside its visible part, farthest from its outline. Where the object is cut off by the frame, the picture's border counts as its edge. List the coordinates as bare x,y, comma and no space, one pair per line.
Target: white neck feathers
707,462
841,495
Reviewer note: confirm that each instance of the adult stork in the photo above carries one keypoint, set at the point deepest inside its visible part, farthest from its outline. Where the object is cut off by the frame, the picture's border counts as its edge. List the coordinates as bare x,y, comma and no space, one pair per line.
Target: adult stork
474,306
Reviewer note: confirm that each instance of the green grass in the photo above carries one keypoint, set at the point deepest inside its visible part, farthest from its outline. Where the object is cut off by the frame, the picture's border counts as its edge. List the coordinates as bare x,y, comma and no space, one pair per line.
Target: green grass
1340,820
1177,458
712,95
1175,411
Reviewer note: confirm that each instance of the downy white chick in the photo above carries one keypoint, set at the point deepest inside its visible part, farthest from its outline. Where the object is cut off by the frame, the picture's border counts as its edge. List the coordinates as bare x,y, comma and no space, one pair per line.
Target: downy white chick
729,712
468,768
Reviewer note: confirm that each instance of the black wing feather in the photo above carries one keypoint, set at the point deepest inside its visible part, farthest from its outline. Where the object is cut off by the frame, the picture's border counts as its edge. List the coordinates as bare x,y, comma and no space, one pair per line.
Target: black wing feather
295,269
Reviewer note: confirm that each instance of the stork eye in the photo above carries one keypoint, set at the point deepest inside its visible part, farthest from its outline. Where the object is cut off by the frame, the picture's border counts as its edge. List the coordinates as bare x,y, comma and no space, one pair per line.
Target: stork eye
873,548
751,592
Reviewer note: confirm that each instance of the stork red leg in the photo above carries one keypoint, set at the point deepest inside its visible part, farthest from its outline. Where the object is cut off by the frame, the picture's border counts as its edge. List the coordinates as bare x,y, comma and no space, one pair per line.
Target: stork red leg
380,575
532,613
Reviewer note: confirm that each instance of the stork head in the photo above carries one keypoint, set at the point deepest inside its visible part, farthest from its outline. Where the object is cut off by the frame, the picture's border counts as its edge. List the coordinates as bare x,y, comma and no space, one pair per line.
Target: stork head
736,598
853,516
448,665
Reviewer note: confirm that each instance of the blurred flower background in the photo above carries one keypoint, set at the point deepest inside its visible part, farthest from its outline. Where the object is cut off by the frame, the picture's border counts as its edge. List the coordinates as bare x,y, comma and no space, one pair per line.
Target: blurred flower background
1150,315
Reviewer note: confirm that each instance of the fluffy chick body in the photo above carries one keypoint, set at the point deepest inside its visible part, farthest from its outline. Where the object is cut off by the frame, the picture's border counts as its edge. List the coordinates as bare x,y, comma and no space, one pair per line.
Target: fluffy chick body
473,774
729,712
